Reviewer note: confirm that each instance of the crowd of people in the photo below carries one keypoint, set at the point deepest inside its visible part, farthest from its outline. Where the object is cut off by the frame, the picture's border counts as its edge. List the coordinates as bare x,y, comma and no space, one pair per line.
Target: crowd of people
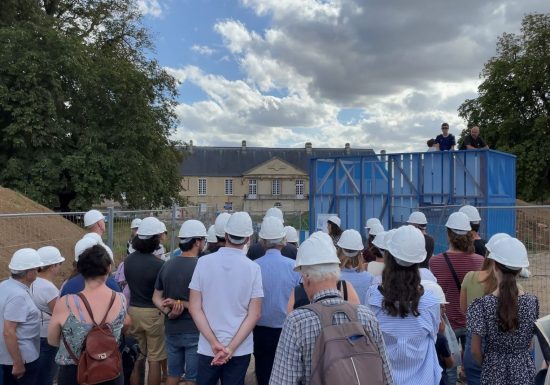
336,308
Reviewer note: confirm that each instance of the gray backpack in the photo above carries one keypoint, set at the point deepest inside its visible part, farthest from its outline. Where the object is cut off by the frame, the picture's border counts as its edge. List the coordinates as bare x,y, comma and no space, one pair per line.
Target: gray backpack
345,353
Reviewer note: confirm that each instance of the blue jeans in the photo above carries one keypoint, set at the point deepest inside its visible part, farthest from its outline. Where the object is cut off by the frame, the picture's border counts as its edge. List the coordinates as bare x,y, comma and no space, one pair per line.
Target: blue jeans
182,355
47,368
232,373
473,370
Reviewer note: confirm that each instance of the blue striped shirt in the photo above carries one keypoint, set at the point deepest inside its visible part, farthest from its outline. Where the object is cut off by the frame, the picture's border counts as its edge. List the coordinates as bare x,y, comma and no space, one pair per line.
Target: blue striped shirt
278,279
361,281
410,341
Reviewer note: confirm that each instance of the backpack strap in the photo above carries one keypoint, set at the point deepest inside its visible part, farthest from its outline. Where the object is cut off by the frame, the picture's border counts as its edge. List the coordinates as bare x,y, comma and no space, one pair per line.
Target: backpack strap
453,271
326,312
342,286
89,309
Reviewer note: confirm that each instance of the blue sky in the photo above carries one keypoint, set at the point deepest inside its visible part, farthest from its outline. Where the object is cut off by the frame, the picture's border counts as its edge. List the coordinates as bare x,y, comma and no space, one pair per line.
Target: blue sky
380,75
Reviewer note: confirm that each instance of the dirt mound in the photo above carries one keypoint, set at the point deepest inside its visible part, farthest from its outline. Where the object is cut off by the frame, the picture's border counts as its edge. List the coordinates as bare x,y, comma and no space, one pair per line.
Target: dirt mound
47,228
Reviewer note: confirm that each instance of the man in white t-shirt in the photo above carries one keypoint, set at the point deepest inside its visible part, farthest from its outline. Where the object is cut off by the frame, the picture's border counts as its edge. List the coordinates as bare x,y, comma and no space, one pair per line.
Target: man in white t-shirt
225,303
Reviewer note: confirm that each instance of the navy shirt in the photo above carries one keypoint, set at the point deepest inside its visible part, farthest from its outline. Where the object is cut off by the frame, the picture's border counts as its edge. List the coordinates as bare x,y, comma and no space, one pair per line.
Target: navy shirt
445,143
76,285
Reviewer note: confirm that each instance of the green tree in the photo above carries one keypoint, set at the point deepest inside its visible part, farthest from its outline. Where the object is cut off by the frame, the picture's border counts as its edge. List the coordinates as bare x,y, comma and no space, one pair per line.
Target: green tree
85,115
513,105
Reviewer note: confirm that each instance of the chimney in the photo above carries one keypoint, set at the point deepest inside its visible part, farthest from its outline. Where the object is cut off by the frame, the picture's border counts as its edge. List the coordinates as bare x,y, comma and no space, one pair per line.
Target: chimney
190,147
243,146
347,148
308,147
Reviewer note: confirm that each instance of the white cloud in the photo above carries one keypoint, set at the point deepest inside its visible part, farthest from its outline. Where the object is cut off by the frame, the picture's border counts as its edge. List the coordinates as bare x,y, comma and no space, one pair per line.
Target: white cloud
150,7
406,65
203,50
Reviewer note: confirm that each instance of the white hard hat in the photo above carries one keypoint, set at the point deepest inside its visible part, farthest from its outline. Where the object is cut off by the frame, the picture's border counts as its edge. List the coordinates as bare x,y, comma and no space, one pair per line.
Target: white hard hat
192,229
135,223
510,252
496,237
84,244
291,234
417,218
25,259
50,255
435,289
220,222
316,250
380,240
272,228
149,227
471,212
275,212
239,224
371,222
211,235
92,217
334,219
376,229
351,240
99,241
407,245
459,223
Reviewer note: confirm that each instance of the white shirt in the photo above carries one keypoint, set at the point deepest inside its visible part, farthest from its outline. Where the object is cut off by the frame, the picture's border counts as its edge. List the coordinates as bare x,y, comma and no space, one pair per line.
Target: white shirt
42,293
375,268
227,280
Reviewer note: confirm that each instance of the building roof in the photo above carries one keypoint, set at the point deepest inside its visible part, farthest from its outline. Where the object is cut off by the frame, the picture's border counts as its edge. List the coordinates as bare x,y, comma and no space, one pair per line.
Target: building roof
234,161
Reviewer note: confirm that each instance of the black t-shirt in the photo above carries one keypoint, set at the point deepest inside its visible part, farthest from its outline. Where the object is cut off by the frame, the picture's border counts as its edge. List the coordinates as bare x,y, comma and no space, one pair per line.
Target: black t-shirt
479,246
173,279
470,141
289,251
255,251
140,271
430,244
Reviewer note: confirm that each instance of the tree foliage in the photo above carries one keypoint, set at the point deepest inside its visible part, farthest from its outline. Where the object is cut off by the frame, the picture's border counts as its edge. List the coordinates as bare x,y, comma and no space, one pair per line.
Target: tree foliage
84,114
513,105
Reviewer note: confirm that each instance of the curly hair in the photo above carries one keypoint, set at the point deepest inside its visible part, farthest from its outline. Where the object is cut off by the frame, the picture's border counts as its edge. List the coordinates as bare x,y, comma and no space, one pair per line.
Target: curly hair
94,262
464,243
147,245
401,288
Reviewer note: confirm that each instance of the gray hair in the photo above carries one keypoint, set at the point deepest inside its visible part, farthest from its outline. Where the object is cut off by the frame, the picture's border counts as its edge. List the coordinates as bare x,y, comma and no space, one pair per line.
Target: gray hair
272,243
322,272
17,274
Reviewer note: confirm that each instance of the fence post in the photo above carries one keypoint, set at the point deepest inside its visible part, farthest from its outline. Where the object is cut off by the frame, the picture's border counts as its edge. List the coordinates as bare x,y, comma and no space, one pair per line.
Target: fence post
173,225
110,226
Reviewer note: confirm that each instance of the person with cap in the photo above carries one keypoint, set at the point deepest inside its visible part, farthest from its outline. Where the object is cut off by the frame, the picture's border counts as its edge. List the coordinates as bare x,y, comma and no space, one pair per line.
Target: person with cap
94,222
133,229
256,250
291,248
278,280
370,252
334,229
409,316
475,285
505,320
71,322
451,266
44,294
225,303
20,320
349,249
211,240
141,269
418,220
219,230
76,283
319,267
475,221
171,296
376,267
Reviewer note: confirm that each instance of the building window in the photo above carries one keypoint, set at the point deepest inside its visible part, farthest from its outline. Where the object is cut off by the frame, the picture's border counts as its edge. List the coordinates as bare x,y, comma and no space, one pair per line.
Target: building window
228,206
229,187
299,188
252,188
276,187
278,204
202,186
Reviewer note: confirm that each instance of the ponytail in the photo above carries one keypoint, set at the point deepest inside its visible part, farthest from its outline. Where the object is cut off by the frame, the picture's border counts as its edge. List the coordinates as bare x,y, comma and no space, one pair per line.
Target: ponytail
508,308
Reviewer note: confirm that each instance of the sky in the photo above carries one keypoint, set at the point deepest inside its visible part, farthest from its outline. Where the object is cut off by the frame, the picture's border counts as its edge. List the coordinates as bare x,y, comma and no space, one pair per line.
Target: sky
376,74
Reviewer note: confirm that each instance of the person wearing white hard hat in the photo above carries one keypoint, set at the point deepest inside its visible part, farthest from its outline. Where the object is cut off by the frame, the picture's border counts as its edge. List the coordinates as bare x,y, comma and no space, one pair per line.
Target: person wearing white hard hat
376,267
370,222
20,320
44,294
319,267
450,268
418,220
505,321
141,269
409,316
133,228
171,296
211,240
291,248
349,248
219,226
256,250
334,228
276,213
94,221
475,222
75,284
372,253
71,322
225,302
278,280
